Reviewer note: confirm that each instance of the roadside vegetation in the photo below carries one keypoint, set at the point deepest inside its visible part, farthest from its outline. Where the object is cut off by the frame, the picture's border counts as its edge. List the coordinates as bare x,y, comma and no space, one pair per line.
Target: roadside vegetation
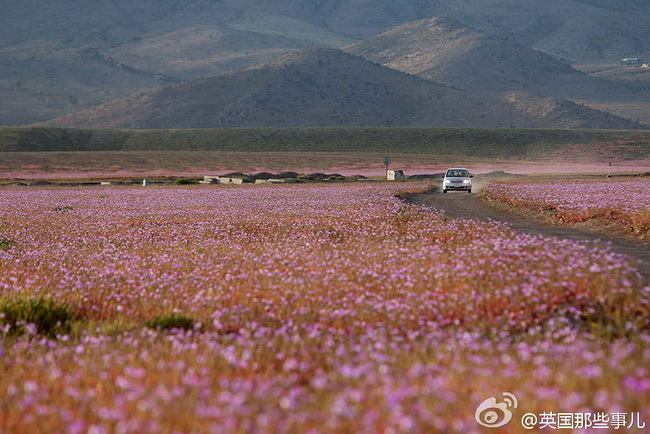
614,204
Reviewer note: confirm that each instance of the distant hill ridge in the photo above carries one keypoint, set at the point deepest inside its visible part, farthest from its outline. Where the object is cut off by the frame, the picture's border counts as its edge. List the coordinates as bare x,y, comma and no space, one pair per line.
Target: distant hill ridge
445,51
63,56
327,87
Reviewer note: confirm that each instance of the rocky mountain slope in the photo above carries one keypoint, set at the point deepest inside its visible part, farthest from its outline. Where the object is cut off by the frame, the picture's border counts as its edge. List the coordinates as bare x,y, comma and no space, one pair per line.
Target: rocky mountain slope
445,51
328,87
60,57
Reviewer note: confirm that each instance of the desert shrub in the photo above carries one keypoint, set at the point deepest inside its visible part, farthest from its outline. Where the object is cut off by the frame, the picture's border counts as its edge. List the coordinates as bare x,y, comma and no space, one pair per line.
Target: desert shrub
336,177
172,322
290,175
7,243
305,176
183,181
263,175
41,316
63,208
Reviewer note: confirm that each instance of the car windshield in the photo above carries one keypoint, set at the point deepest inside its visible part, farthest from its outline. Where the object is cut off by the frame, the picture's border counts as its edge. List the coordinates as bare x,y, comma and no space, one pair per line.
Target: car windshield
458,173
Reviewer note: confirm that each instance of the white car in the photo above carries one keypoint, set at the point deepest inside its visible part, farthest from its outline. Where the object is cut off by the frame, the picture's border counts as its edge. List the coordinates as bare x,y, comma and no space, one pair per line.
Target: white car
457,178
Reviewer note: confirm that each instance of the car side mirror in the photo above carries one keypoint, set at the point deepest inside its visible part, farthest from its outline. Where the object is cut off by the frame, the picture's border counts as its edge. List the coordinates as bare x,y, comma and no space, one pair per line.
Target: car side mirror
471,176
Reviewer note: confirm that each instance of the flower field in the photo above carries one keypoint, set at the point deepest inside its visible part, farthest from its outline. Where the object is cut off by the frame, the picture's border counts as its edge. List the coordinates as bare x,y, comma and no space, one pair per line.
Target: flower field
305,308
623,202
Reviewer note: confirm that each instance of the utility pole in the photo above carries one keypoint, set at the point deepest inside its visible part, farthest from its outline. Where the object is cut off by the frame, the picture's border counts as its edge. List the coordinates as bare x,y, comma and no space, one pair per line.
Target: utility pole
387,162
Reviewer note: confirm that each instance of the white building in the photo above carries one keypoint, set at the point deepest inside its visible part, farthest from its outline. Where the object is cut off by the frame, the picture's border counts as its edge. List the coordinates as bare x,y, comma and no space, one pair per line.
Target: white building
630,61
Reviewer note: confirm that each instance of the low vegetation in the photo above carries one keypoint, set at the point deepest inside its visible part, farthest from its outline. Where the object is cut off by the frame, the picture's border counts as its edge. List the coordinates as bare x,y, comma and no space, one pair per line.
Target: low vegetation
332,307
34,316
7,243
509,143
173,321
183,181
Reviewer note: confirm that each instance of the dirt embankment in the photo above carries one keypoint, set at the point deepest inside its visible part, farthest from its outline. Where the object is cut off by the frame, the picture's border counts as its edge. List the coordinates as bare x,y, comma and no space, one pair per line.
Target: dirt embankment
463,205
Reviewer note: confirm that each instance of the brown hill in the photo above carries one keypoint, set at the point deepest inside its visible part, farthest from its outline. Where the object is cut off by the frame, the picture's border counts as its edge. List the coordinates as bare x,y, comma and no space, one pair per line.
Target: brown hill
213,50
61,56
443,50
571,29
328,87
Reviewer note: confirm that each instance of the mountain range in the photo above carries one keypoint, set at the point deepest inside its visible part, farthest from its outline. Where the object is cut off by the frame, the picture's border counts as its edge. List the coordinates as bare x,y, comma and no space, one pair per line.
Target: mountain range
61,57
327,87
445,51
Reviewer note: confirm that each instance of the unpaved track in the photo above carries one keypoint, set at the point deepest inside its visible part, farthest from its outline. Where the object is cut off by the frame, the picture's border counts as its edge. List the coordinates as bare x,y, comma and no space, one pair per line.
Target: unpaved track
463,205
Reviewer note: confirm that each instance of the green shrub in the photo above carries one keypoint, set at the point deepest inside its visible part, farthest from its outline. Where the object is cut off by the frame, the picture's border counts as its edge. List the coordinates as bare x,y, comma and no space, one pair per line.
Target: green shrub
172,322
305,176
7,243
183,181
63,208
48,317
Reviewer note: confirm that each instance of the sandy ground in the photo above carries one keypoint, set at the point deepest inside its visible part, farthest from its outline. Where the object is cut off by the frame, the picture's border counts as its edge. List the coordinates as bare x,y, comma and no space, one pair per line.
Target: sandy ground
463,205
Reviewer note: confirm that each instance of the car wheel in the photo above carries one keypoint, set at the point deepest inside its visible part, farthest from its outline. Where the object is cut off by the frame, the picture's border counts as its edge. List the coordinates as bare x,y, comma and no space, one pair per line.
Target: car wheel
469,191
444,191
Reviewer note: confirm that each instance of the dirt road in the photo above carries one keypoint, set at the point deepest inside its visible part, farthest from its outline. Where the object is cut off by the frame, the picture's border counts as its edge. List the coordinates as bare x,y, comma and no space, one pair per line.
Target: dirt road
463,205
